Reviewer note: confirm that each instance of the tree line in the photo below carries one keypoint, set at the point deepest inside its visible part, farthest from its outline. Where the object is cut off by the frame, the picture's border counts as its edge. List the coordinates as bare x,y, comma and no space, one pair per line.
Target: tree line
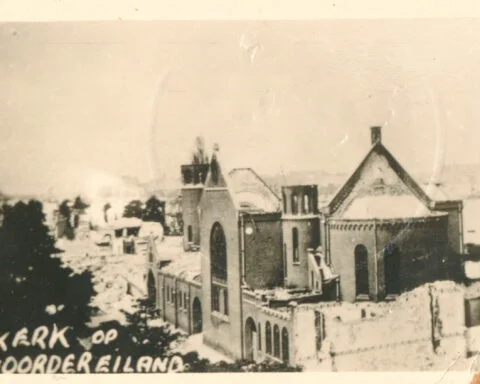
153,210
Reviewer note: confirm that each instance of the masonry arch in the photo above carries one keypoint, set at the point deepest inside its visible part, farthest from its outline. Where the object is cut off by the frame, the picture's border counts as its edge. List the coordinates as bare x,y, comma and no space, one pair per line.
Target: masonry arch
197,315
361,270
218,270
218,253
250,340
268,338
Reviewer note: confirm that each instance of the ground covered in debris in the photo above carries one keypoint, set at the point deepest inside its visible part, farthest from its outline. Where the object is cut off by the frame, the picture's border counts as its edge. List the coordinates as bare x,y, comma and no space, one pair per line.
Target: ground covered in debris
119,281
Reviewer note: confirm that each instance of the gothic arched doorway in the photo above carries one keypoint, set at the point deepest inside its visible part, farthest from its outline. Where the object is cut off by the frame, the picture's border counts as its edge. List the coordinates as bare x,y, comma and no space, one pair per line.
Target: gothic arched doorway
391,258
250,339
197,315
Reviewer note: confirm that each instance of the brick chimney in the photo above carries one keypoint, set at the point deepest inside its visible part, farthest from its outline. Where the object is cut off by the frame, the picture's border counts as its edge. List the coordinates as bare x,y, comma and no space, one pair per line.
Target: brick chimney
376,134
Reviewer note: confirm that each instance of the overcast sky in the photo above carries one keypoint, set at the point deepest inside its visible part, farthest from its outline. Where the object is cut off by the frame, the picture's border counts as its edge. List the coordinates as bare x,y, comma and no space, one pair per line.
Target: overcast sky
103,99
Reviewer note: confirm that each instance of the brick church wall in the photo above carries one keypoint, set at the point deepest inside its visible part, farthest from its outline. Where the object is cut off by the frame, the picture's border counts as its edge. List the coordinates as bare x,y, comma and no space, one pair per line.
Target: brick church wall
220,333
263,252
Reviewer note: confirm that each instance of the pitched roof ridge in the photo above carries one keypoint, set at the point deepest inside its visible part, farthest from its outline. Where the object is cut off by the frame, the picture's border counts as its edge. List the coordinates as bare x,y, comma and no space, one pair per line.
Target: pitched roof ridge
257,176
404,176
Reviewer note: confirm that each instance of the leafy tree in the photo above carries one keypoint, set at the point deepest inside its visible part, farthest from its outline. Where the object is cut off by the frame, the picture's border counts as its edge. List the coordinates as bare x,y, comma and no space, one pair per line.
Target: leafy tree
106,207
195,364
133,209
64,209
40,290
80,205
154,211
137,338
65,224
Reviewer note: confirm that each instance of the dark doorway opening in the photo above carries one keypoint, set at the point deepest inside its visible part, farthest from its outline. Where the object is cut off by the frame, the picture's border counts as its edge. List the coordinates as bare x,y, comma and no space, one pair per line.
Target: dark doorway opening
391,257
197,315
250,339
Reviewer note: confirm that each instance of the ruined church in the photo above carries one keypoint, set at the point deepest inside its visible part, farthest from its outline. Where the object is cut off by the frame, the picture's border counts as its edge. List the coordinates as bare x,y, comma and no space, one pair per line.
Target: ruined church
251,260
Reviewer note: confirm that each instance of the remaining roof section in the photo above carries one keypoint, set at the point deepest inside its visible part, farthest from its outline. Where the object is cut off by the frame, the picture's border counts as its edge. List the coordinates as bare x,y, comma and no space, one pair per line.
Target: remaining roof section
124,222
185,265
251,193
182,264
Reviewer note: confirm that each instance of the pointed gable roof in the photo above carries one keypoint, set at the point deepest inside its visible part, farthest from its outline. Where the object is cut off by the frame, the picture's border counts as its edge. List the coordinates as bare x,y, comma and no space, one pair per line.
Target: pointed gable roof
398,196
247,189
251,192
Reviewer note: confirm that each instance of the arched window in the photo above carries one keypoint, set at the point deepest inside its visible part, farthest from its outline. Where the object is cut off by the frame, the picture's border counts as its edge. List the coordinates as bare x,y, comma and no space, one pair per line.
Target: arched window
276,341
296,254
285,350
268,337
218,253
189,234
259,337
361,270
218,269
294,204
306,203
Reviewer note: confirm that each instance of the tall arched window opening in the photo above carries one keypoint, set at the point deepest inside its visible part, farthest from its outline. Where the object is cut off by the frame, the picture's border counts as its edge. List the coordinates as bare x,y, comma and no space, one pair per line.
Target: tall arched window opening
296,254
306,204
294,204
276,341
259,337
361,270
218,269
268,338
285,346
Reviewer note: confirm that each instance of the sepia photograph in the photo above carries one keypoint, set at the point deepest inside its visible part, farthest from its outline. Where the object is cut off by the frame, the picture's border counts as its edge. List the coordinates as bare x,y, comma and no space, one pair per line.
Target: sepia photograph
240,195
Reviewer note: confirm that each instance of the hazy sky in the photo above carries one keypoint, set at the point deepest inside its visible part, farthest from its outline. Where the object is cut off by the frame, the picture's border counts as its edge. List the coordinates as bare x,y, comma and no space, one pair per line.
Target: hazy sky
82,101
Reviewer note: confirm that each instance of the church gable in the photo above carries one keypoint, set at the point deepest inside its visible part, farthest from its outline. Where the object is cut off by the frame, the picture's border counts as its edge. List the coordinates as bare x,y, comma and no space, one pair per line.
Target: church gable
380,188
